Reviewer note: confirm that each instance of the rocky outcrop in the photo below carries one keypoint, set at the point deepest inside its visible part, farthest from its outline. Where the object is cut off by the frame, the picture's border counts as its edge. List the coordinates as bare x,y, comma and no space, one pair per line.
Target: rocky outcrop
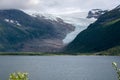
96,13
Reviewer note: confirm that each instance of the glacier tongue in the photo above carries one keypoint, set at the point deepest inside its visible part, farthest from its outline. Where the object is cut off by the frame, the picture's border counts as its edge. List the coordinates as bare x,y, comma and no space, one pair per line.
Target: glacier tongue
79,26
79,21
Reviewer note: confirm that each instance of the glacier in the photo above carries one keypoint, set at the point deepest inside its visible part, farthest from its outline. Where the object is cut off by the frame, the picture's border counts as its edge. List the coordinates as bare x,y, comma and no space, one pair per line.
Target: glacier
77,19
80,22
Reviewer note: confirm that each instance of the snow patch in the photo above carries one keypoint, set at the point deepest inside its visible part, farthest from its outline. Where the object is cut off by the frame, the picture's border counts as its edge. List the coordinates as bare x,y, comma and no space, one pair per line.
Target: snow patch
7,20
13,22
17,23
45,16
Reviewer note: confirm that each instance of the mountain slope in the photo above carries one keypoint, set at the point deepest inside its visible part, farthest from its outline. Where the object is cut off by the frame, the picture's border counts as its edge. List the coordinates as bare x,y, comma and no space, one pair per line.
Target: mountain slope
99,36
17,28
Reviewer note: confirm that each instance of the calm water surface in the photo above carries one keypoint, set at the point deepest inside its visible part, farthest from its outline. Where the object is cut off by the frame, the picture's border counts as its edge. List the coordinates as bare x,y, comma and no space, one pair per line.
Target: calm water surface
60,67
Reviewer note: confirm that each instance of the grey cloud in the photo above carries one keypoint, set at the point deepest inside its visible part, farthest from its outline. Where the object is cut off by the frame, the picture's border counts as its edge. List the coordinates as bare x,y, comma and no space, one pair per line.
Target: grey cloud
57,6
18,4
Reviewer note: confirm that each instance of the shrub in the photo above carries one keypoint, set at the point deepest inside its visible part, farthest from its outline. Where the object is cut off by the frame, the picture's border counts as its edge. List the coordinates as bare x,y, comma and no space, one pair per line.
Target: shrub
117,69
18,76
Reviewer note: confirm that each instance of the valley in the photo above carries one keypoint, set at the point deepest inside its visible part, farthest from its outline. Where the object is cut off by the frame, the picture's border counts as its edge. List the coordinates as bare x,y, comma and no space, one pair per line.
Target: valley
74,33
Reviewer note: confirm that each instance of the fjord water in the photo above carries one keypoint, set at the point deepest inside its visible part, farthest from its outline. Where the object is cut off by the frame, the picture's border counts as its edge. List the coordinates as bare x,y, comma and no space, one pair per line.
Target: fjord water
60,67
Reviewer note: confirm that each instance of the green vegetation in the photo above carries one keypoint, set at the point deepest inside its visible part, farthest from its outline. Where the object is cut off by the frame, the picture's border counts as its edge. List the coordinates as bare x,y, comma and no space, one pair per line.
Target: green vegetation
112,22
18,76
117,69
115,51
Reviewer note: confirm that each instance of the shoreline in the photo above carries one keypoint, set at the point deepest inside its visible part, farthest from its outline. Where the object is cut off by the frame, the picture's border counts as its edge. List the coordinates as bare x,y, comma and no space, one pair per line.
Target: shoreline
51,54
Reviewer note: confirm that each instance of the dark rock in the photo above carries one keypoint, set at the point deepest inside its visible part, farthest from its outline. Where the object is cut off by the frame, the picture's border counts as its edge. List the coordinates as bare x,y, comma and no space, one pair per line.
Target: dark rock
96,13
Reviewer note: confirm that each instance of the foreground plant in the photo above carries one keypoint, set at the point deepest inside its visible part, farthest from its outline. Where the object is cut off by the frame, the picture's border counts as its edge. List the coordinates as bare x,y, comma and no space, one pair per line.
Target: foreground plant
117,69
18,76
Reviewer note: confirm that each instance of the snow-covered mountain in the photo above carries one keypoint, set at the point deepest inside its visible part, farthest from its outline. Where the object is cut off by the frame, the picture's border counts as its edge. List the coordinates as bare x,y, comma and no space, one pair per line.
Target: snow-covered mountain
22,32
118,7
45,16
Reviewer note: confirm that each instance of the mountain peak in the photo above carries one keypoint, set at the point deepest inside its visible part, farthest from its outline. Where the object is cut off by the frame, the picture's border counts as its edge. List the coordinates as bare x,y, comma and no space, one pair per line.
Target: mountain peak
118,7
96,13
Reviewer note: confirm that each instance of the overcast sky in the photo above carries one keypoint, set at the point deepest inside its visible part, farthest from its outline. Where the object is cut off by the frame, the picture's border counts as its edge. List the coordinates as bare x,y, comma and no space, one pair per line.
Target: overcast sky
58,6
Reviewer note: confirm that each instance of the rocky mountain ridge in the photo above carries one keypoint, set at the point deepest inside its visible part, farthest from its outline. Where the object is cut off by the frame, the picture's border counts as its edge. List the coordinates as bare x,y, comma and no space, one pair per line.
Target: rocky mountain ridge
96,13
17,29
